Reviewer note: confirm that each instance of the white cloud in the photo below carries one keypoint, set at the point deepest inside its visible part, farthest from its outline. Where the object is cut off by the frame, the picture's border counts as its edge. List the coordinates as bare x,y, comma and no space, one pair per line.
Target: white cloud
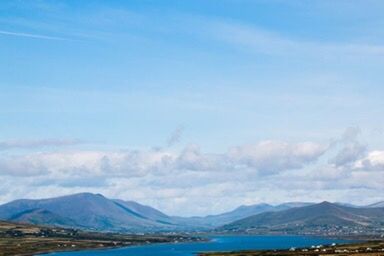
269,156
65,164
373,161
348,154
193,182
275,156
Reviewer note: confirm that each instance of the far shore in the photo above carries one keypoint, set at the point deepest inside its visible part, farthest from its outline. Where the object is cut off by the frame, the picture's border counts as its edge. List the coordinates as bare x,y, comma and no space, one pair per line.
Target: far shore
366,248
25,240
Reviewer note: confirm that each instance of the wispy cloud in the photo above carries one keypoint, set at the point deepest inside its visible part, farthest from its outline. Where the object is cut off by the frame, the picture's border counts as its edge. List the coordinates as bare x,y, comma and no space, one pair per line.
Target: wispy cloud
175,137
34,36
258,40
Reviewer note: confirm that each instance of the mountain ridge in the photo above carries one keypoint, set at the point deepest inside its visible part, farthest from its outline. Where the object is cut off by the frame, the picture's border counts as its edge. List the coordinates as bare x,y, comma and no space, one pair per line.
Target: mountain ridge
324,214
92,211
96,212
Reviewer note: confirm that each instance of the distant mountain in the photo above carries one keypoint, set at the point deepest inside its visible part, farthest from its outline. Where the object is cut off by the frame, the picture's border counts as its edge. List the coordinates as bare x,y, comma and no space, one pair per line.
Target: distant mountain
41,216
290,205
96,212
237,214
376,205
92,211
146,212
349,205
212,221
318,215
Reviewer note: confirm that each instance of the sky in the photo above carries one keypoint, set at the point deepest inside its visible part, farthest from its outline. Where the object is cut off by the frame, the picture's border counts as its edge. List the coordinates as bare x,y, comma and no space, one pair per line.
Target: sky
193,107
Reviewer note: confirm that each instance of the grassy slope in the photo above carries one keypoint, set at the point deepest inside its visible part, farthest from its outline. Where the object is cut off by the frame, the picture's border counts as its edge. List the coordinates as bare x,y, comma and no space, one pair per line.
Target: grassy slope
25,239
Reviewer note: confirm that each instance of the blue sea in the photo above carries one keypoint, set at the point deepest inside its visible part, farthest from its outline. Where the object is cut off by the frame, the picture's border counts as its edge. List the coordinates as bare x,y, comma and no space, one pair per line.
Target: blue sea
217,243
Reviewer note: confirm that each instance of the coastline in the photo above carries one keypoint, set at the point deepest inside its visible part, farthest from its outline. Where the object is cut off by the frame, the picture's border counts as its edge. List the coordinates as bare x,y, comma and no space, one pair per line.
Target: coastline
360,248
44,247
26,239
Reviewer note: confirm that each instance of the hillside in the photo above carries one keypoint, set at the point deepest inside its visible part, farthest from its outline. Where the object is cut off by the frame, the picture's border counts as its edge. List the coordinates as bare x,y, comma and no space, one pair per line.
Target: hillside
41,216
314,217
96,212
37,239
240,212
376,205
86,210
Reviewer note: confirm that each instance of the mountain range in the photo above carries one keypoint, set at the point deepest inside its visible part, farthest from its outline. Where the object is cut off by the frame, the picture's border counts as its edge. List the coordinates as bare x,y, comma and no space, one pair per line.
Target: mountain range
96,212
89,211
241,212
320,216
376,205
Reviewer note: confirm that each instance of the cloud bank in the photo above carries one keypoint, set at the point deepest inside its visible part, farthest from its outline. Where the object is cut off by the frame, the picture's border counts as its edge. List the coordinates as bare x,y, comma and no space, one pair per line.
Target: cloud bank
193,182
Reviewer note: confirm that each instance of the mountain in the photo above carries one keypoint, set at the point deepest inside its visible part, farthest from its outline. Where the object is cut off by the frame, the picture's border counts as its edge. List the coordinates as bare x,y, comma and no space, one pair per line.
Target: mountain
290,205
145,211
241,212
41,216
348,205
324,214
94,211
376,205
236,214
91,211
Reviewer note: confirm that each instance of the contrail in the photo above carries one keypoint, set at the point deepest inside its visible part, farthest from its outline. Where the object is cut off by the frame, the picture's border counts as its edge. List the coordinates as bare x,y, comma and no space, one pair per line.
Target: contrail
36,36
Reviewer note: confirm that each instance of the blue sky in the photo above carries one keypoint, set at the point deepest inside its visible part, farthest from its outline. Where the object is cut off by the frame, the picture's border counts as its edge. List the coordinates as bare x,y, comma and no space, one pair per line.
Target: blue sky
93,80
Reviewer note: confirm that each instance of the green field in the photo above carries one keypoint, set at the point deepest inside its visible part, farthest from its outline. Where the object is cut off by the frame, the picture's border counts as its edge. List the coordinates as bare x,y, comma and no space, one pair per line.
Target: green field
25,239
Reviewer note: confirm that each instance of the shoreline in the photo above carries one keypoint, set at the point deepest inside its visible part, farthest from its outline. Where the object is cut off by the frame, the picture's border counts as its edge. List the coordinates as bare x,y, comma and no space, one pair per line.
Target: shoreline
96,245
26,239
360,248
354,242
37,253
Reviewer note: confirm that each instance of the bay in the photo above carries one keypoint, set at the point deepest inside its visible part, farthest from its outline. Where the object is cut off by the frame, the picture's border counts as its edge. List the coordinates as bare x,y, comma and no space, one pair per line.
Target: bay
216,243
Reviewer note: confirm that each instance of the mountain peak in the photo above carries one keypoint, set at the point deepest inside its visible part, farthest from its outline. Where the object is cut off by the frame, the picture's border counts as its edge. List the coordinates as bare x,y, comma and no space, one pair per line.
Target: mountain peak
86,194
325,203
87,210
253,206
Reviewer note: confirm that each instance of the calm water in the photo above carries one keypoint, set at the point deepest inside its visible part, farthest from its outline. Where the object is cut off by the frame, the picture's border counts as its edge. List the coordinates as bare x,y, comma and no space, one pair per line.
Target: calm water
218,243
